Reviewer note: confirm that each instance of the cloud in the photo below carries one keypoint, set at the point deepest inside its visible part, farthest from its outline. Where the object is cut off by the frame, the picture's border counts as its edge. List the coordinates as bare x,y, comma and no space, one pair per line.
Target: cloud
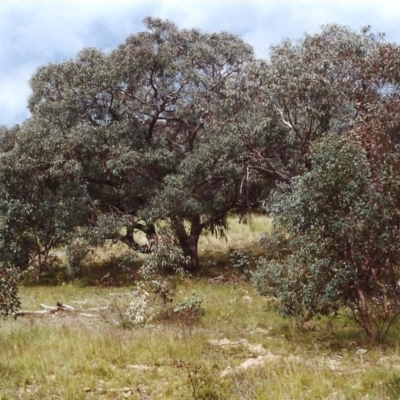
14,94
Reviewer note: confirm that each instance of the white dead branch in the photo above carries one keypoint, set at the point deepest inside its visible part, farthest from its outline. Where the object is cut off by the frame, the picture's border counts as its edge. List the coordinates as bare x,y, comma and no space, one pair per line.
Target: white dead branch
60,307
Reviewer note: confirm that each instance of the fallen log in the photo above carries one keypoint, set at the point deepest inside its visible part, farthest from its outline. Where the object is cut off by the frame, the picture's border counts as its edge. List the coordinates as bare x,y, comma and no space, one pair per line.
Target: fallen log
60,307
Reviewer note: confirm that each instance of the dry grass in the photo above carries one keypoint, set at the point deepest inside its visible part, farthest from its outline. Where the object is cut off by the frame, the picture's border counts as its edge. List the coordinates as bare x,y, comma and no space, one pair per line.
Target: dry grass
240,234
69,356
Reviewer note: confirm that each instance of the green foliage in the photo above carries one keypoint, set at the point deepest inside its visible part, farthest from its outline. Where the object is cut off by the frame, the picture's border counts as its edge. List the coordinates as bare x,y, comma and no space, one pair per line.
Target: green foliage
344,237
76,253
341,215
166,257
39,207
241,261
189,308
140,310
9,302
125,261
335,81
141,130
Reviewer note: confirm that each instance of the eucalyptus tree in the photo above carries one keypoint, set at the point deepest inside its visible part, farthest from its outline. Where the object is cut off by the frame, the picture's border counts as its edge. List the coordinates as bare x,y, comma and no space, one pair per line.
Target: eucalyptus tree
344,236
143,132
327,130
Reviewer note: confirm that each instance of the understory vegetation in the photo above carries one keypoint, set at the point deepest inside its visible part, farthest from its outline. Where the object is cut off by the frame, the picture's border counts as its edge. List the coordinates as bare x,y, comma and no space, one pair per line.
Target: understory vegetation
79,357
237,347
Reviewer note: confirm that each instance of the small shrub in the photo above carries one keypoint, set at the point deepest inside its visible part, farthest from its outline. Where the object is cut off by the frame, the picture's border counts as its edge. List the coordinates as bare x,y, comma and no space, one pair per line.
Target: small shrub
126,261
164,289
9,302
140,311
76,253
166,257
203,383
189,308
242,262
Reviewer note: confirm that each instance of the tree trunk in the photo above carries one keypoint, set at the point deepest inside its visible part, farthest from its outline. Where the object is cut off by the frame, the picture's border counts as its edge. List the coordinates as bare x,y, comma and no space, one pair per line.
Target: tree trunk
151,236
365,317
193,253
39,268
189,241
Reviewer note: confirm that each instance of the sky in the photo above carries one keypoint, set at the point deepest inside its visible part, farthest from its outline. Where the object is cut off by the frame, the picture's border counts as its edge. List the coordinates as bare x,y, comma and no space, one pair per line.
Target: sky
39,32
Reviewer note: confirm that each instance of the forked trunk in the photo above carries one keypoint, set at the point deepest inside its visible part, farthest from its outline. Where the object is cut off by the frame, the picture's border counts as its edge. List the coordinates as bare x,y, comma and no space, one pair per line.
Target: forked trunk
189,241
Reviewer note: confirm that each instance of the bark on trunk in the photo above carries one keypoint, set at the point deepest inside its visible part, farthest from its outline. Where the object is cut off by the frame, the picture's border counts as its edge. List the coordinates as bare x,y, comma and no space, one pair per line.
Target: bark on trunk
189,241
365,318
193,252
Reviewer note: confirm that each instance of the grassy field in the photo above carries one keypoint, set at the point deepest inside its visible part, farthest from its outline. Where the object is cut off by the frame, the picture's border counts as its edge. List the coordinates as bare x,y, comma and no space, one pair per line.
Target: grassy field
240,349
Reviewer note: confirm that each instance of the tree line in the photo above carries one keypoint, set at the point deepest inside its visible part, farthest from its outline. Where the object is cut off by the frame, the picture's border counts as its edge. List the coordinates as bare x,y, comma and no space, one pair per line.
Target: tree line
189,128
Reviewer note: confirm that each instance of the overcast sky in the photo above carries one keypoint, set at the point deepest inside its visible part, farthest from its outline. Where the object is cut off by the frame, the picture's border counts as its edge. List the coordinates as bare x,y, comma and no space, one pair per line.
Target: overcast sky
35,33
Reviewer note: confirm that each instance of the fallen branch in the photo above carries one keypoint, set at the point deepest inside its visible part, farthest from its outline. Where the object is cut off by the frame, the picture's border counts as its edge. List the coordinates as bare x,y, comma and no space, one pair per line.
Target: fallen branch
60,307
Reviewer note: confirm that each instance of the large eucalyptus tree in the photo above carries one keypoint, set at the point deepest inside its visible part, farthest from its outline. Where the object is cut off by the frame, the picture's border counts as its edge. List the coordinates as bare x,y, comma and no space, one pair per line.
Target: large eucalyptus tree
137,135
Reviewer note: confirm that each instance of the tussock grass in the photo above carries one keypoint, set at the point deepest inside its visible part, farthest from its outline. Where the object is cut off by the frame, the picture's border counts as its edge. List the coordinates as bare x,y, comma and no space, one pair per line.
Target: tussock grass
68,356
71,357
241,235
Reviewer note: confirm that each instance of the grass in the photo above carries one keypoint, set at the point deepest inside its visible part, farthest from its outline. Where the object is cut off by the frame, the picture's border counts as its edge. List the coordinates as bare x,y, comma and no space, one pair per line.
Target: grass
70,356
67,356
241,235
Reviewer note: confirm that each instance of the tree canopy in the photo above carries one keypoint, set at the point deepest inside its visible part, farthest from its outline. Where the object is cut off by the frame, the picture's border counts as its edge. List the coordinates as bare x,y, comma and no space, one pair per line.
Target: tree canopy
137,136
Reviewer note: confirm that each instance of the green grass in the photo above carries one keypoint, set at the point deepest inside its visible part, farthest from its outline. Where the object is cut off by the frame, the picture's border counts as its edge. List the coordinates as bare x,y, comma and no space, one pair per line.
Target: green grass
70,356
